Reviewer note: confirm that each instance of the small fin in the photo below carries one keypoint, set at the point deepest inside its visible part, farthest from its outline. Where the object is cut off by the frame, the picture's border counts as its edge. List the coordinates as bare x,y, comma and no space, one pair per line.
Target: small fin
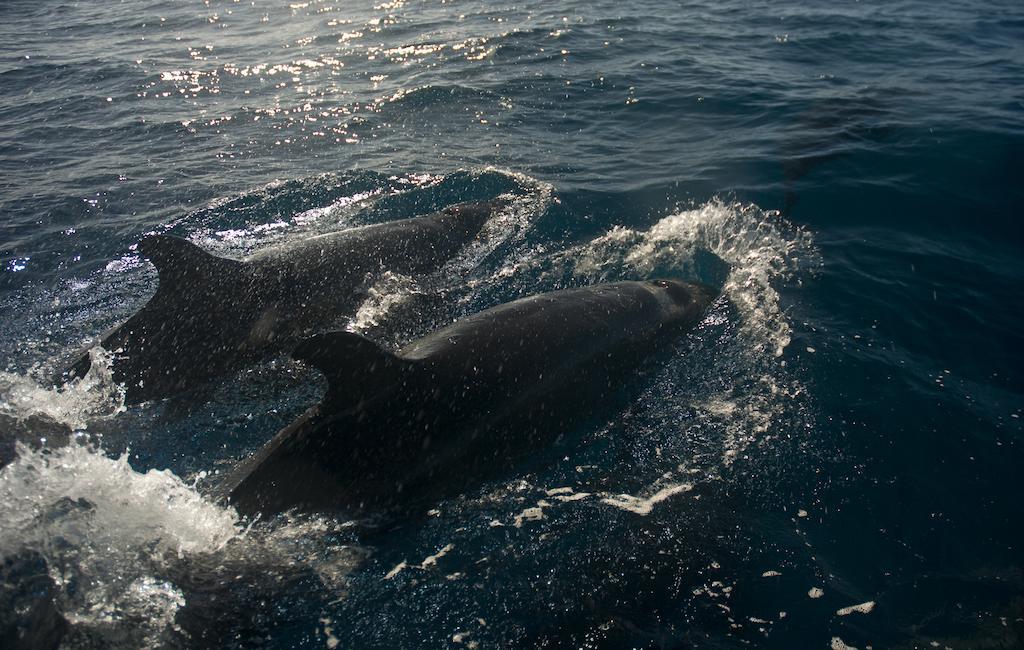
177,258
356,368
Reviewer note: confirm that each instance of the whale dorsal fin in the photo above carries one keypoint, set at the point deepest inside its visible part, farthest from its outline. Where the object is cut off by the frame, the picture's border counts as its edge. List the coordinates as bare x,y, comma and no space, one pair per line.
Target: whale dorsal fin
178,259
356,368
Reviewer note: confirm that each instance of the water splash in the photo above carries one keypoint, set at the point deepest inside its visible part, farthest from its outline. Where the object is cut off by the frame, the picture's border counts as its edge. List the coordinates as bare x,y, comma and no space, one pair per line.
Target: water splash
743,391
127,552
106,533
73,404
760,247
387,292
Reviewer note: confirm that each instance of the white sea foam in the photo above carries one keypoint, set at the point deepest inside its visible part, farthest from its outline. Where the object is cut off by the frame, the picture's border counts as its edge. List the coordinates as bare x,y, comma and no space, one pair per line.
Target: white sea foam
862,608
124,547
106,532
96,395
838,644
644,505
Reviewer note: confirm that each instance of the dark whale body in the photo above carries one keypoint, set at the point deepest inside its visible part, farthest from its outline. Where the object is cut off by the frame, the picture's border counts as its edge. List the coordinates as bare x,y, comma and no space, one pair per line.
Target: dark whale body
212,316
395,429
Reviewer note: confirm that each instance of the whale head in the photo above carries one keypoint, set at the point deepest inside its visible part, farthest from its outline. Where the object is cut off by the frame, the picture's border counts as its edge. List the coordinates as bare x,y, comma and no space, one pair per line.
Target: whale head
683,302
466,219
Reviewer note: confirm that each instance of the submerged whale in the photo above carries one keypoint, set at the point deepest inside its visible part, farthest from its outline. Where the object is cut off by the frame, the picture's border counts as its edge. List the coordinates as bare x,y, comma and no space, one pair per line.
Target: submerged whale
393,429
212,315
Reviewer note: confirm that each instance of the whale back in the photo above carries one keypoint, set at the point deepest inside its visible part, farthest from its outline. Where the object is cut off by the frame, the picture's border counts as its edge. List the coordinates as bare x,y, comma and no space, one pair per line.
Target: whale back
467,401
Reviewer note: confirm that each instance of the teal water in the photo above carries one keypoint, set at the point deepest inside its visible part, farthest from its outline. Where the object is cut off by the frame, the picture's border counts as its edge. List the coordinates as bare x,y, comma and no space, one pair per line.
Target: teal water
847,419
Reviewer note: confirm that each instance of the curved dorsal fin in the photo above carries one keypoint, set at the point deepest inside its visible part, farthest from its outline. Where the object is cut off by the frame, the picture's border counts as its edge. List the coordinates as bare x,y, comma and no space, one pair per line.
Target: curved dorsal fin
356,368
176,258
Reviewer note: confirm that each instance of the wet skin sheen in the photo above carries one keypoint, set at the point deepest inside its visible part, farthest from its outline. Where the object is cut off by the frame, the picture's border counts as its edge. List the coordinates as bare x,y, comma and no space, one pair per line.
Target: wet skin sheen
212,316
397,428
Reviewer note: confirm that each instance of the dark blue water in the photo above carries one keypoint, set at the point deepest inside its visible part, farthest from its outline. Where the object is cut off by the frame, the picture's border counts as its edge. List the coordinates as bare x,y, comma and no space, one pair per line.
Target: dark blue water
843,429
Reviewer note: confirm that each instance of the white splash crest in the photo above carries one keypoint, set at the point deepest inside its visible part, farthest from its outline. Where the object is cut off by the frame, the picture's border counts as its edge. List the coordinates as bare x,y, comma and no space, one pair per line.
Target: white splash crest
105,532
96,395
124,548
760,248
762,251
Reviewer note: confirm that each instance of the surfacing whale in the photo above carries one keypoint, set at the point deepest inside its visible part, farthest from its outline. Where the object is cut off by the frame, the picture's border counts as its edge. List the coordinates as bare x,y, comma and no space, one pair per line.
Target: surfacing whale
397,428
212,315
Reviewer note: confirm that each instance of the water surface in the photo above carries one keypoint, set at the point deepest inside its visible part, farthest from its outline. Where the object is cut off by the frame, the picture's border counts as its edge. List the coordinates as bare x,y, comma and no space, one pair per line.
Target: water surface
842,429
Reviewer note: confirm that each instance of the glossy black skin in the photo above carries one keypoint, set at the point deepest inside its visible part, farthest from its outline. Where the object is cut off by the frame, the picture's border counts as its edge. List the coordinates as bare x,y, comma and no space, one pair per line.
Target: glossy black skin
394,430
212,316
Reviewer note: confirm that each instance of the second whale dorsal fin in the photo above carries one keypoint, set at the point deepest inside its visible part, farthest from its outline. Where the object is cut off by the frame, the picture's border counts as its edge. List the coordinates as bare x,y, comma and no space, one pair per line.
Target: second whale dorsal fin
178,260
356,368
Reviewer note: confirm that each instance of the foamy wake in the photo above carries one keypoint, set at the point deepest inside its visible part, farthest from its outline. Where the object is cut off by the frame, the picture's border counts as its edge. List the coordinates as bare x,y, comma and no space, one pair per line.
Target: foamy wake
73,404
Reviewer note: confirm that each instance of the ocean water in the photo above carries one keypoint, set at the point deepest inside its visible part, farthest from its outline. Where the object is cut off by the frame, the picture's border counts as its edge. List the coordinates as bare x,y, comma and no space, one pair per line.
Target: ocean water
830,460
